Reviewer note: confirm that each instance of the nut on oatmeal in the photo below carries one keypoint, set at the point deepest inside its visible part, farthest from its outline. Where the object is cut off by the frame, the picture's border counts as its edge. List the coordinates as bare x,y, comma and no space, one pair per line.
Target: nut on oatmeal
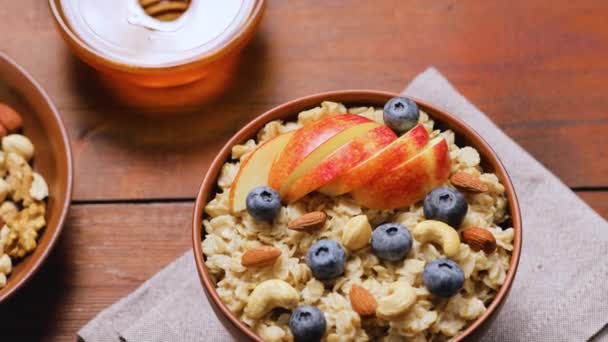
269,295
357,233
468,182
260,256
431,231
362,301
308,222
479,239
401,296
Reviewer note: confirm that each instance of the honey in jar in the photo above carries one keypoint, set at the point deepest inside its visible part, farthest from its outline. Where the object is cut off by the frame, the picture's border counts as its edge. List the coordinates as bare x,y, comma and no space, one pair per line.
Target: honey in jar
159,53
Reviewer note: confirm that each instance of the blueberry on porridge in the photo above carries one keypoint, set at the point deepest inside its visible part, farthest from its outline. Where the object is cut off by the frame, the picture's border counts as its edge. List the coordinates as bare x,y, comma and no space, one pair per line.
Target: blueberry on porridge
443,277
391,241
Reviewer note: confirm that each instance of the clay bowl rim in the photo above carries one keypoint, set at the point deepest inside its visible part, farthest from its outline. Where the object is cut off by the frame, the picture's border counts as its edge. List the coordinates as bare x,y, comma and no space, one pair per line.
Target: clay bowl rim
289,110
12,287
88,53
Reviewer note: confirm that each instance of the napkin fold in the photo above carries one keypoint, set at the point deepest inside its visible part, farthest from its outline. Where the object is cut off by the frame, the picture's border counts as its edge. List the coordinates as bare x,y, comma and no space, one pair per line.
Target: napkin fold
560,292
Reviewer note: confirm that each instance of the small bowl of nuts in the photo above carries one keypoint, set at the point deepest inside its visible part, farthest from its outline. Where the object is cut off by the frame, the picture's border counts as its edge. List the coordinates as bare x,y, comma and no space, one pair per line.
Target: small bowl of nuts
354,216
35,177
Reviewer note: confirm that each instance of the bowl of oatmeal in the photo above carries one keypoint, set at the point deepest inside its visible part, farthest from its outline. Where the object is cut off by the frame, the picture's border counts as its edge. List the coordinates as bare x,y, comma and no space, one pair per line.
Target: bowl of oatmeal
35,177
356,215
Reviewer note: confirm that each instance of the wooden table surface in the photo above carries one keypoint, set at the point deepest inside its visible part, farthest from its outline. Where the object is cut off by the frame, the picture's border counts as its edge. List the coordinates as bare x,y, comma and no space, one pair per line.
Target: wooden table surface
539,69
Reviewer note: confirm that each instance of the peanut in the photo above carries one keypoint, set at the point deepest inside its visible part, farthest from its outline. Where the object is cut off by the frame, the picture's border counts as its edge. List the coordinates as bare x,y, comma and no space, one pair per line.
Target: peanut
357,233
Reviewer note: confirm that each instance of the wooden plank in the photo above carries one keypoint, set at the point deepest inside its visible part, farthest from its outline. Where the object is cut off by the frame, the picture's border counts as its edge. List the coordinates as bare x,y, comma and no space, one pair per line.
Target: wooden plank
598,200
538,70
105,253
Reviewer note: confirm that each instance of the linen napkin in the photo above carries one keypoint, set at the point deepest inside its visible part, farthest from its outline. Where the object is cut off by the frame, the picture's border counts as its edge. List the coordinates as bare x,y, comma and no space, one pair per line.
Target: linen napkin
560,292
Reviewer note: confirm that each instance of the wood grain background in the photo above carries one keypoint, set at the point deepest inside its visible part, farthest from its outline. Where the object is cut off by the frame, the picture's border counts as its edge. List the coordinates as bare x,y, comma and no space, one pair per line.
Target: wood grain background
539,69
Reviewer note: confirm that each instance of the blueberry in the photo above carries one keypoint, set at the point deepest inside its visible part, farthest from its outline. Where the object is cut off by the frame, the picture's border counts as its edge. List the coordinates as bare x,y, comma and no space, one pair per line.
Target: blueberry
263,203
307,323
326,259
391,241
447,205
401,114
443,277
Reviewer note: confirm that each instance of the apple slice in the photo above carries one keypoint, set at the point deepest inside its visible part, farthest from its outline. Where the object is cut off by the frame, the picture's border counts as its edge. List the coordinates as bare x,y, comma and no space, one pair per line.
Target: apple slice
306,140
380,163
323,151
408,182
338,162
254,170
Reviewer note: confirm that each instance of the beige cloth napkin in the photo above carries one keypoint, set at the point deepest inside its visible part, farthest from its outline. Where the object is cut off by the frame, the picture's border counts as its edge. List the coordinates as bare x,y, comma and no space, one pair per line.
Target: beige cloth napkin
560,292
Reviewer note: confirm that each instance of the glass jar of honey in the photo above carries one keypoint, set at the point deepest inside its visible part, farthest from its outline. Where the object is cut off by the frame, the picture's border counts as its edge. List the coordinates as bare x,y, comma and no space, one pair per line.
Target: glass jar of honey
159,53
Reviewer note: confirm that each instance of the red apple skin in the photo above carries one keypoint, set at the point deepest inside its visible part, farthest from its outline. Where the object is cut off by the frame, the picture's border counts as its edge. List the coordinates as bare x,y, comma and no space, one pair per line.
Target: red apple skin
245,180
398,152
305,141
409,182
341,160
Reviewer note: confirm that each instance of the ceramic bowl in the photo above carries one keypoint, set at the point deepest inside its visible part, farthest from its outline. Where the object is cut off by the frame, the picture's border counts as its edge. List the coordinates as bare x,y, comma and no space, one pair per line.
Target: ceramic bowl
288,111
53,160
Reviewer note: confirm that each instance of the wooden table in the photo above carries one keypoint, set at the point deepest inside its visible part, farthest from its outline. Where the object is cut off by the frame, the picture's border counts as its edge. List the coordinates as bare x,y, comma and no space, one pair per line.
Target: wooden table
538,69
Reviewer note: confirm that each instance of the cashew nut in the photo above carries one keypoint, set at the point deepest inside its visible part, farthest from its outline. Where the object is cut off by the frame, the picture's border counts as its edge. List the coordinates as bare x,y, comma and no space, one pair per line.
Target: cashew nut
18,144
400,298
357,232
439,233
39,190
6,266
5,188
269,295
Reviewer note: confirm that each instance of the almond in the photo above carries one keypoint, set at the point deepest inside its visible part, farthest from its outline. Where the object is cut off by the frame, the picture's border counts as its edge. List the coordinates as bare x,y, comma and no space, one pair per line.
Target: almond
467,182
479,239
309,222
260,256
362,301
10,119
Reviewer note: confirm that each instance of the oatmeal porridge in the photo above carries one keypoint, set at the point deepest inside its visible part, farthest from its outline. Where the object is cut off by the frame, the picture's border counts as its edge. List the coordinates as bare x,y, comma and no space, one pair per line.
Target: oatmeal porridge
355,224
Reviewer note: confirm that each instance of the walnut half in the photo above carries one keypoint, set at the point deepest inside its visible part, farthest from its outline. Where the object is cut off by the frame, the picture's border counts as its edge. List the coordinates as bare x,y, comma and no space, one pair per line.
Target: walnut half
24,229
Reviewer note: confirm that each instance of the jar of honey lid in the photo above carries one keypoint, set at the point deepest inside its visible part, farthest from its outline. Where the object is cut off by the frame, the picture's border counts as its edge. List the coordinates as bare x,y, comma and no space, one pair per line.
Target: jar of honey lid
159,52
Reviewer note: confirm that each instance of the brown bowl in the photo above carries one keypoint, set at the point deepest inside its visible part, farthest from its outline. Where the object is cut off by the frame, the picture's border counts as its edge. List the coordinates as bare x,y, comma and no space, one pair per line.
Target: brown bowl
53,160
288,111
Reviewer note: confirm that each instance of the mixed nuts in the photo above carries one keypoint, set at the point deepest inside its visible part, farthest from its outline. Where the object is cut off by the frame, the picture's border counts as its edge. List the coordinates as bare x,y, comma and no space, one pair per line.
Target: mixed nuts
22,194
